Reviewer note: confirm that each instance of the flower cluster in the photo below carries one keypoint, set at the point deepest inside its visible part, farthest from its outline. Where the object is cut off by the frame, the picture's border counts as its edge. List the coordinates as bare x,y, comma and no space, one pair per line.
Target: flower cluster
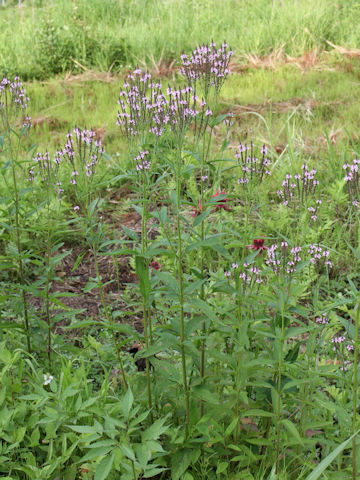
317,253
143,106
183,109
207,66
283,260
47,378
258,244
323,319
141,163
251,275
229,121
253,168
343,350
221,203
352,180
83,150
346,365
48,171
313,210
302,185
13,98
17,93
155,265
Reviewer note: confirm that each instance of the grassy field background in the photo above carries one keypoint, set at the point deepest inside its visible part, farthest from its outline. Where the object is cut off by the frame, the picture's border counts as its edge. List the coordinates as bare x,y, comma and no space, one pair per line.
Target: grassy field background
269,104
43,37
296,65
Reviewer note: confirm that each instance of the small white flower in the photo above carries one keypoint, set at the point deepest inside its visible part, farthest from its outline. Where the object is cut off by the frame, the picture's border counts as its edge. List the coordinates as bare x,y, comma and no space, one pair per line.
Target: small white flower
47,378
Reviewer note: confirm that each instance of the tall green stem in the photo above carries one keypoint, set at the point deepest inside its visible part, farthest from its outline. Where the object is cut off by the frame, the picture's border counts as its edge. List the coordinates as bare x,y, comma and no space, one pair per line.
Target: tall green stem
146,310
181,287
18,246
47,299
278,413
237,376
355,392
204,156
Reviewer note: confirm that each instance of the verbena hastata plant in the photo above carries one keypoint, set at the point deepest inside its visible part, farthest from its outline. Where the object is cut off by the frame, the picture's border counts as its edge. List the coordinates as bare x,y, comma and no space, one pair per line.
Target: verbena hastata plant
254,167
352,181
203,301
206,70
46,171
299,192
351,178
142,119
84,151
14,126
299,188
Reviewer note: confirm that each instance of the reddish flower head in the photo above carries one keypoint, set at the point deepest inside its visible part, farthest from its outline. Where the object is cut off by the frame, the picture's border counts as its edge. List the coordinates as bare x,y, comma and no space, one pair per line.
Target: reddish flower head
221,203
156,265
197,210
258,244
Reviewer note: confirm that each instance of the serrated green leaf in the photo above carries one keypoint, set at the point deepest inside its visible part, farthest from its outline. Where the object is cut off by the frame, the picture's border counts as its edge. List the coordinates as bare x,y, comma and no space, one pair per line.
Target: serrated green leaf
127,402
153,472
231,428
257,412
104,467
81,428
180,461
143,455
170,282
155,430
35,437
222,466
89,286
205,308
290,427
95,453
143,275
128,452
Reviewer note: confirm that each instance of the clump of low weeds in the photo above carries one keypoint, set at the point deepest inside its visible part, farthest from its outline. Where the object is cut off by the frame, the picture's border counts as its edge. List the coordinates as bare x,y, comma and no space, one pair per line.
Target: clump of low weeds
82,430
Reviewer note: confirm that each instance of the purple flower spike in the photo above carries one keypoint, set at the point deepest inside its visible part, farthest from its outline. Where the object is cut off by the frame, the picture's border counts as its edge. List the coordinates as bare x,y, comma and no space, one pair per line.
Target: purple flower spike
143,106
83,150
254,169
207,66
352,181
302,188
13,102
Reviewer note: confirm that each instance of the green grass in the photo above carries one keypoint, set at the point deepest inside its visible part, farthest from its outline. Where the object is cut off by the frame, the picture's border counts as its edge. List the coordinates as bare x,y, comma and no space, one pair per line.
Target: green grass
267,105
104,35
